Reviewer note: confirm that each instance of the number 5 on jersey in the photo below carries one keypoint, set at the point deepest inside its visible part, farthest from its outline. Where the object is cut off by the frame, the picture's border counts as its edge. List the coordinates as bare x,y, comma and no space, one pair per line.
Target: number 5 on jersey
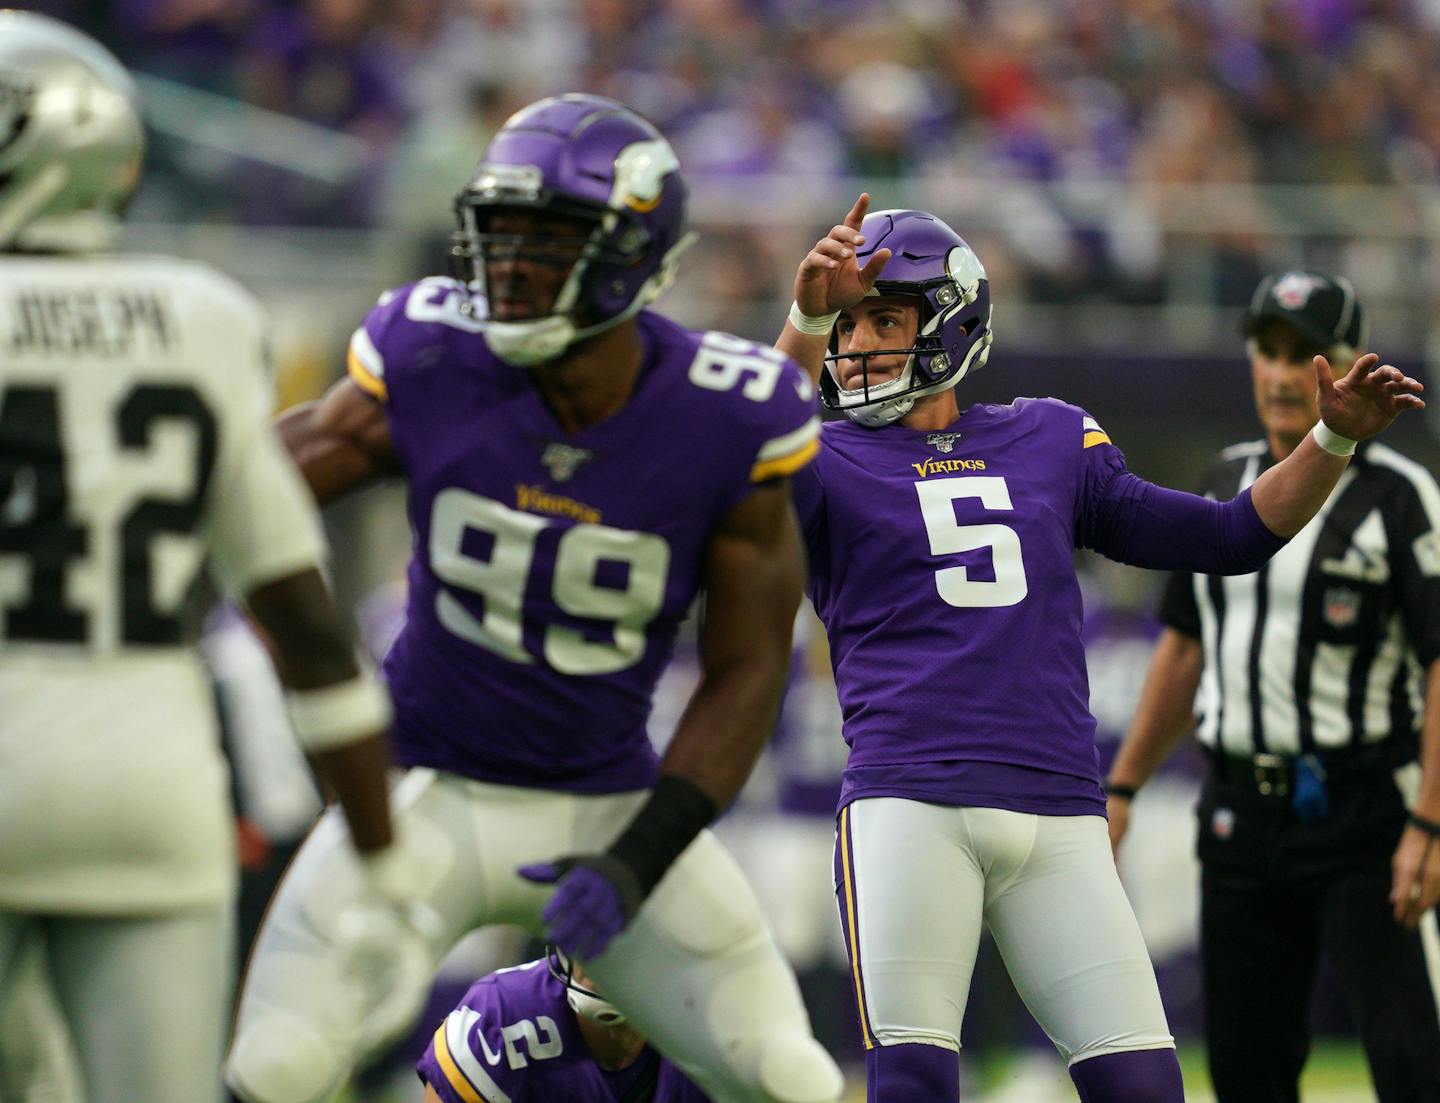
501,580
948,536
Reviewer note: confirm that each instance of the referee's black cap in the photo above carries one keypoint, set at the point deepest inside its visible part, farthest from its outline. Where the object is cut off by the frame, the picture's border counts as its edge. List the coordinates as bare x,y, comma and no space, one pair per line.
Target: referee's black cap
1323,308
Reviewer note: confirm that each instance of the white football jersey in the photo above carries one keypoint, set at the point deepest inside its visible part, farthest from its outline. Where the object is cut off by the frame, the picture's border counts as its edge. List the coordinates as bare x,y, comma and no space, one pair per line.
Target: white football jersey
135,443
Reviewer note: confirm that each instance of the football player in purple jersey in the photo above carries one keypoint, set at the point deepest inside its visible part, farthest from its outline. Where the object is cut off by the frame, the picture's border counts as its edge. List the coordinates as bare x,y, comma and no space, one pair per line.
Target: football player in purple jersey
579,468
539,1032
941,548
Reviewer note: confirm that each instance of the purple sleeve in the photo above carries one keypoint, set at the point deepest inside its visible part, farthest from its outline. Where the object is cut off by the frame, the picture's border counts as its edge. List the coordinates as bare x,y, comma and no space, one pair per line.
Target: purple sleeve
452,1063
431,1074
1145,525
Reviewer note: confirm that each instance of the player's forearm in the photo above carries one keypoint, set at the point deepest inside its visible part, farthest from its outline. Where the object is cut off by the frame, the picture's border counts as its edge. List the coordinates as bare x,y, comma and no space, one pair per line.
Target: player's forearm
355,774
1166,710
1292,491
304,631
726,726
707,762
340,714
806,349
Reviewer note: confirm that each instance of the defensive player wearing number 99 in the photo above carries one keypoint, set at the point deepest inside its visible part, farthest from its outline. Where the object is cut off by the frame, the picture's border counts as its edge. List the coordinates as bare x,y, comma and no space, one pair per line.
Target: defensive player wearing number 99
941,545
135,440
578,469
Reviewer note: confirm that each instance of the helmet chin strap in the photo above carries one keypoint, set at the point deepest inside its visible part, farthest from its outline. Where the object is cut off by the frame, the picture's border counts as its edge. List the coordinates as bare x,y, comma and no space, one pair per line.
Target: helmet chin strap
592,1007
881,414
877,414
525,344
879,411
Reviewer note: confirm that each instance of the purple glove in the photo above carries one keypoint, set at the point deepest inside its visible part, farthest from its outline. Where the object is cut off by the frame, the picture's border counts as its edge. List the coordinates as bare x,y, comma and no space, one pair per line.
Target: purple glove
595,897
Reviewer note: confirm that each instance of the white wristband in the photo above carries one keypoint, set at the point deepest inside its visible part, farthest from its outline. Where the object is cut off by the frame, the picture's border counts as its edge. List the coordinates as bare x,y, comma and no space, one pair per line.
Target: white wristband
815,325
1332,441
333,716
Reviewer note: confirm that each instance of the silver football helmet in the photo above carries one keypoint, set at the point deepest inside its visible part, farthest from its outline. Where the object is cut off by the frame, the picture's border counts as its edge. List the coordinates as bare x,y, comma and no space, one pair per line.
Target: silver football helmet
70,137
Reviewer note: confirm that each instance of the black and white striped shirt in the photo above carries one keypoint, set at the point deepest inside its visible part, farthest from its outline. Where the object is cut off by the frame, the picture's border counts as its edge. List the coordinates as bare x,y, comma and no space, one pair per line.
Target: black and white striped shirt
1325,646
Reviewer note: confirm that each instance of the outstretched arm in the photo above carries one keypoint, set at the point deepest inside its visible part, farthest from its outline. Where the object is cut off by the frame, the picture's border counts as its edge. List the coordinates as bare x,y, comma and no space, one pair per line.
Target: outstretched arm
830,280
341,442
1361,404
753,577
1145,525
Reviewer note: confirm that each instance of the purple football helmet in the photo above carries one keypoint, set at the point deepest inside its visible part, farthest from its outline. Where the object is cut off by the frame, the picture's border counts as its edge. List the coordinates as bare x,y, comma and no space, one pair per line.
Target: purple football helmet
590,158
932,262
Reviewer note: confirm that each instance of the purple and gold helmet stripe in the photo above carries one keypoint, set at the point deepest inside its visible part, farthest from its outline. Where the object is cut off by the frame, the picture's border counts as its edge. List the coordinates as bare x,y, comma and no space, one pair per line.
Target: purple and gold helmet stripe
851,924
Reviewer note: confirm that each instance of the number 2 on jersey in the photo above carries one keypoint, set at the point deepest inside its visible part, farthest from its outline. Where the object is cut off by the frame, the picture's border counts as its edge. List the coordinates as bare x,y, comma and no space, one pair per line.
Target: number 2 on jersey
502,576
947,536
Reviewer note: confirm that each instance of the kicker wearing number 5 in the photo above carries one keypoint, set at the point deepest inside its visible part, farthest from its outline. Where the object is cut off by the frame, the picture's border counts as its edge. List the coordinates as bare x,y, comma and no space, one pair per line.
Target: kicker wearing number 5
578,468
971,796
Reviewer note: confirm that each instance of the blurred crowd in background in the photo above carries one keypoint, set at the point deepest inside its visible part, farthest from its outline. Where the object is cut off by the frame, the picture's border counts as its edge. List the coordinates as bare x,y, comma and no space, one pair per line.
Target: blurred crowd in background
1049,108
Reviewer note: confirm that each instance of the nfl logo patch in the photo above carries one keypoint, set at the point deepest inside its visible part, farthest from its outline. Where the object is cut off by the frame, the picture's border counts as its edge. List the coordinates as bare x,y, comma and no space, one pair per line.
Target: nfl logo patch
1222,823
1293,290
1342,607
564,460
942,442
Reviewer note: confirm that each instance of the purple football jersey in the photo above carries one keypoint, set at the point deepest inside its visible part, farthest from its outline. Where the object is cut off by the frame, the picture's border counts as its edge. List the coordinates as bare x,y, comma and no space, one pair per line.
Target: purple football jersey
514,1038
942,565
550,570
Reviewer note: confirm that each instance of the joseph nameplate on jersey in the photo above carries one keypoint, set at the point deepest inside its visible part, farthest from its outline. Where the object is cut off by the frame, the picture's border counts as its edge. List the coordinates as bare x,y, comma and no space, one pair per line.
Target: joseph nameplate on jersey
105,322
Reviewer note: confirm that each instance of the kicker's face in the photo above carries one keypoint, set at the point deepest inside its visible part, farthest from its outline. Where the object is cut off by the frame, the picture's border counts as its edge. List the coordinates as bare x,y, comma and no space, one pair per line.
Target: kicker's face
882,322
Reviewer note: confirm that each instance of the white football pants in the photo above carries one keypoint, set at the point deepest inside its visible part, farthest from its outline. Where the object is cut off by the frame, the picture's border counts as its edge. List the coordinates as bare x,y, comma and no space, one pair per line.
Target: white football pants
696,970
915,883
141,1003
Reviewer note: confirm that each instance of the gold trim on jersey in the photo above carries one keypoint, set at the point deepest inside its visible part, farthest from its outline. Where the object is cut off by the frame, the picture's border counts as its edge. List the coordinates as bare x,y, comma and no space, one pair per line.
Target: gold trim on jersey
847,872
452,1072
785,465
368,383
1093,433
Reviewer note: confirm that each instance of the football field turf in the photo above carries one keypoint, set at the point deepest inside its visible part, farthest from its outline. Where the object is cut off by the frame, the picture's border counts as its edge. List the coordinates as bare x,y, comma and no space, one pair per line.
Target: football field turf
1335,1073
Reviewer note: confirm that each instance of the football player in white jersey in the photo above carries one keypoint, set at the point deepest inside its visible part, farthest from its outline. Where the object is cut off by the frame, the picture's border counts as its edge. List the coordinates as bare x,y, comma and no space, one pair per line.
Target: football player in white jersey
135,442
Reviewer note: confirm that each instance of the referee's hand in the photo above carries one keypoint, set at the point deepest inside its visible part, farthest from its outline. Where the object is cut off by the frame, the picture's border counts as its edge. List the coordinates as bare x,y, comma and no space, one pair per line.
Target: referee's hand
1415,884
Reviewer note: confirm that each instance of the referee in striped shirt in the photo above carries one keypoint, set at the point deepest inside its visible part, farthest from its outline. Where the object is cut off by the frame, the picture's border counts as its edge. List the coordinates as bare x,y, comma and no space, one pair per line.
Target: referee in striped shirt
1319,697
